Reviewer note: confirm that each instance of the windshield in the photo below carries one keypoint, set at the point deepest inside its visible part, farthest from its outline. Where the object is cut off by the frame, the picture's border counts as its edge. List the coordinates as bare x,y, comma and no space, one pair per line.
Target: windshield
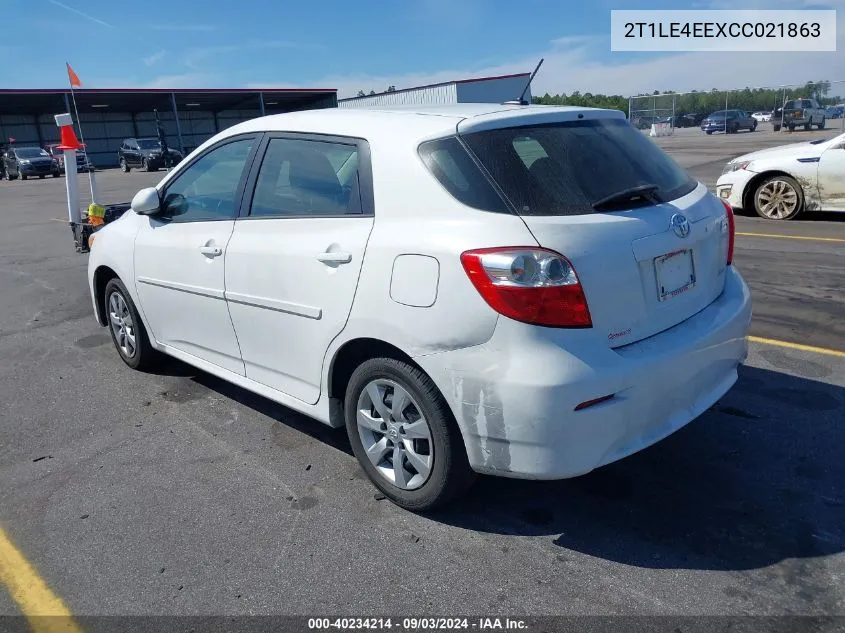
559,168
149,143
30,152
720,113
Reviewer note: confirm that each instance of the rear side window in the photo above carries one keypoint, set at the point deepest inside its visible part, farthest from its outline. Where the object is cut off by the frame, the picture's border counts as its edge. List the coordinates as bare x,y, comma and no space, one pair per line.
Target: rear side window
564,168
453,167
807,103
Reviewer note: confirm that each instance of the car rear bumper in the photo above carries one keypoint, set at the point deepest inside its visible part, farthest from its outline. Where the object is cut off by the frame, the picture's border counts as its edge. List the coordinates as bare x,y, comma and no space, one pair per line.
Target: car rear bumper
514,397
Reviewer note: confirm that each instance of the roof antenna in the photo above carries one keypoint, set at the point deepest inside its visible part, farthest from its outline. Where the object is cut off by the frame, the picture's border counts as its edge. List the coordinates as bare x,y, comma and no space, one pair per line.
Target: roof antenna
521,100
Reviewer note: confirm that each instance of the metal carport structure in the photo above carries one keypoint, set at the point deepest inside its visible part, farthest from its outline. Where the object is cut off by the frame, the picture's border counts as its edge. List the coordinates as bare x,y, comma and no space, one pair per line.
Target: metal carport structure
107,116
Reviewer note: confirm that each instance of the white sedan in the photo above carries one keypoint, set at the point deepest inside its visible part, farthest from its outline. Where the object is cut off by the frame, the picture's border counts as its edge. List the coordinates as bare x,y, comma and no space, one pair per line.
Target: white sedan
780,182
523,291
762,117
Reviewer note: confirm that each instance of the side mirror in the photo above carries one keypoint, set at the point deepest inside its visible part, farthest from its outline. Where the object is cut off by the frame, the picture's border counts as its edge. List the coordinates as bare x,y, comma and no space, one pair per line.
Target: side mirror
146,202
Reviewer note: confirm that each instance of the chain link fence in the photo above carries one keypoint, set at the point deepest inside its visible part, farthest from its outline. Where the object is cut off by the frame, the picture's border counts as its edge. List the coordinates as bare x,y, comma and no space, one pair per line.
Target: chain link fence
674,110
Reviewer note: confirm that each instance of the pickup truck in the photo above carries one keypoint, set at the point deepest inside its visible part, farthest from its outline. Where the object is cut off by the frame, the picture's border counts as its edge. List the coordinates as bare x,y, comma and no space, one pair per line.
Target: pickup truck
798,112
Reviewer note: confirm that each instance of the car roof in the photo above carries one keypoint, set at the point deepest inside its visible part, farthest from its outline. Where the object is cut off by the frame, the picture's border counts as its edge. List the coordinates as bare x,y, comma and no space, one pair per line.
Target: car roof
412,122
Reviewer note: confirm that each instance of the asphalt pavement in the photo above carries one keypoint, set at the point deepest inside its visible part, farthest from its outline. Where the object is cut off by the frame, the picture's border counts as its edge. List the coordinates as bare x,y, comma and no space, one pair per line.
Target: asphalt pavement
177,493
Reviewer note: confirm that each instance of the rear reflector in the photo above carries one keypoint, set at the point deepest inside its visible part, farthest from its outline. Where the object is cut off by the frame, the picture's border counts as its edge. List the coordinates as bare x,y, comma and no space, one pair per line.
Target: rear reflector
590,403
529,284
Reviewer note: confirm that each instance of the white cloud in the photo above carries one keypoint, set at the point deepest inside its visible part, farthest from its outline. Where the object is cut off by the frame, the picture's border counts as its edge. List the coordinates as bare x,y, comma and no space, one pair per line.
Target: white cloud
155,57
579,63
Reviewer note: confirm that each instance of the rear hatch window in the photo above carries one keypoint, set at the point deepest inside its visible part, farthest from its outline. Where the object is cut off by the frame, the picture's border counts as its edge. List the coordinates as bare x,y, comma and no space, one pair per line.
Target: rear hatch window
566,168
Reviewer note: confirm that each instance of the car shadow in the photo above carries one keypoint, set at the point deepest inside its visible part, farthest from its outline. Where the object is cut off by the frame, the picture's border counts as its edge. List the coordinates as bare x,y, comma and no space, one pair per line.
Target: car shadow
758,479
336,438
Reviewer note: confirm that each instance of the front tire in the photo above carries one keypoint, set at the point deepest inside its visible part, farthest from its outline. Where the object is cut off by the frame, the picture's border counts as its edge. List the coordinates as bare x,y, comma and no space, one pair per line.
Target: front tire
395,414
778,198
124,166
127,330
821,125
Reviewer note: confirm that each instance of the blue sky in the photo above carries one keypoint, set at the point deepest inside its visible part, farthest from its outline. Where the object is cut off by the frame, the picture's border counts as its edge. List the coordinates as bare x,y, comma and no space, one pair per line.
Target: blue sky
369,44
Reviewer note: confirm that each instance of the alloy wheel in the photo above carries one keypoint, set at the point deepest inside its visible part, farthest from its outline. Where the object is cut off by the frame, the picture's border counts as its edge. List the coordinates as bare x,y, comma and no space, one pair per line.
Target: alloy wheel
122,325
395,434
777,200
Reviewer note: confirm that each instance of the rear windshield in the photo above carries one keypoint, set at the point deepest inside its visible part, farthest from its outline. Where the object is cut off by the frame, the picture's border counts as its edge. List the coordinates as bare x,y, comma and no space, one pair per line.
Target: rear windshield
564,168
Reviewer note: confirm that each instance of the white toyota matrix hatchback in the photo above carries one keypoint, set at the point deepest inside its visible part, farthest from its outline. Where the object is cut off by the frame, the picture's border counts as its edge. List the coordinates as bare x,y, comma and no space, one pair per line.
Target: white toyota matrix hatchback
523,291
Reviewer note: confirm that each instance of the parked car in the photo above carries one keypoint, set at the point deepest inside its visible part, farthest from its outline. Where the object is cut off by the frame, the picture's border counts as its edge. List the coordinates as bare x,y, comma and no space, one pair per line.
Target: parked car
82,163
834,112
524,291
780,182
728,121
762,117
145,153
797,113
29,162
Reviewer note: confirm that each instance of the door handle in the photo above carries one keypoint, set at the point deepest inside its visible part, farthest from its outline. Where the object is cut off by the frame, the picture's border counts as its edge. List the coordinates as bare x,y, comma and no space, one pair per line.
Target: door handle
335,258
212,251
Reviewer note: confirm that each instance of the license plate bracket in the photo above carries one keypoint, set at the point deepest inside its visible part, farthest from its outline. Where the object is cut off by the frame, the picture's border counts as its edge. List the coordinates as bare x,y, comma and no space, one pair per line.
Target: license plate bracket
674,273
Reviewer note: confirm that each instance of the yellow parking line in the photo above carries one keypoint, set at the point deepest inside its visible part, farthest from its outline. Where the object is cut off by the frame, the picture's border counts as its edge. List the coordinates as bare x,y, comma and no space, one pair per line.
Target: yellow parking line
804,348
31,593
794,237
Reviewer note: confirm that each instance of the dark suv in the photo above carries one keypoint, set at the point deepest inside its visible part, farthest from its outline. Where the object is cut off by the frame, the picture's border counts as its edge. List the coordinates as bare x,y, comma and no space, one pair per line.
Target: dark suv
145,153
29,161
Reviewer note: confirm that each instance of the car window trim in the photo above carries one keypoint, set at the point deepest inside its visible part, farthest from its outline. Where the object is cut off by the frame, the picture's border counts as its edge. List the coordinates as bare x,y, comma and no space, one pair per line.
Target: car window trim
365,176
239,192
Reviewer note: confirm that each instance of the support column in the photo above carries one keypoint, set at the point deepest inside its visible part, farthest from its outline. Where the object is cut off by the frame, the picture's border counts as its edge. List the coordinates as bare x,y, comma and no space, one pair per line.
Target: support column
67,105
216,124
178,125
261,101
134,126
38,131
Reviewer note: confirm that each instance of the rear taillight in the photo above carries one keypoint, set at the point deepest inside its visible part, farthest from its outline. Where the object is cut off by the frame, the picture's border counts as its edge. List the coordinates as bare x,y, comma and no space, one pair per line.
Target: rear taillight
532,285
729,216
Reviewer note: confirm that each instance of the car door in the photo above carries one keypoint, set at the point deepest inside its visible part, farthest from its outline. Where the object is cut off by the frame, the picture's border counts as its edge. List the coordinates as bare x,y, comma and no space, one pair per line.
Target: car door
832,177
135,153
293,262
180,254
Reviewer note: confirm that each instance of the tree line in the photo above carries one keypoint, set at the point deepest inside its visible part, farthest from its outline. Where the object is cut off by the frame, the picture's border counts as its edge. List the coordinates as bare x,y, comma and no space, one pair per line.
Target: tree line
750,99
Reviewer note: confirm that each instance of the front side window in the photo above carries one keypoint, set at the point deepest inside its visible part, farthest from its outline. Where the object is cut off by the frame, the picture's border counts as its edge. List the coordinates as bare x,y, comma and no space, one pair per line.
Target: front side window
304,178
206,189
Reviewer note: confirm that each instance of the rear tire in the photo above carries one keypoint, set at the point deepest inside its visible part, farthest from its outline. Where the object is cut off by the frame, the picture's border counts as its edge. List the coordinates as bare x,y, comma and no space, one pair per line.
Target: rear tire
24,177
129,335
808,125
424,429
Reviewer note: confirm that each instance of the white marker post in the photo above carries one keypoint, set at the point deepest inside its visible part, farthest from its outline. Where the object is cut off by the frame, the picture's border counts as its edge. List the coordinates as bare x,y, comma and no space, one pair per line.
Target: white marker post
69,145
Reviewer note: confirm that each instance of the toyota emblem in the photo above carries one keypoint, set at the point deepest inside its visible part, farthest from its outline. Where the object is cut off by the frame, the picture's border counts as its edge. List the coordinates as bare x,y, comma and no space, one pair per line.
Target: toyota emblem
680,225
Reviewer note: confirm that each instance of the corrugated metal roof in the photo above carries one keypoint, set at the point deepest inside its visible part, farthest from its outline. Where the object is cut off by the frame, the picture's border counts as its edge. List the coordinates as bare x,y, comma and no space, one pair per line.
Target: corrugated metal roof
437,85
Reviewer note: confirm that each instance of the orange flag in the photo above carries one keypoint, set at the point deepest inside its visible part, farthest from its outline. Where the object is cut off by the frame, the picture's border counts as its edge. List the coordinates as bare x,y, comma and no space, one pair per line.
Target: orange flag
74,79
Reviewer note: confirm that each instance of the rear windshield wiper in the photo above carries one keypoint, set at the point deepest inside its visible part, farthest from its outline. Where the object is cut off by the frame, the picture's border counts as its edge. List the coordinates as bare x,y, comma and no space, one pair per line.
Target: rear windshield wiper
645,192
